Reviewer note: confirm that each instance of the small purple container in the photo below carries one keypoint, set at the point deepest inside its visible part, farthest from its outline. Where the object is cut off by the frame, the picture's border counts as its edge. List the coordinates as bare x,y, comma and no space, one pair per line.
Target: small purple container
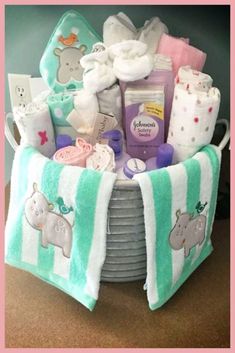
63,141
134,166
164,155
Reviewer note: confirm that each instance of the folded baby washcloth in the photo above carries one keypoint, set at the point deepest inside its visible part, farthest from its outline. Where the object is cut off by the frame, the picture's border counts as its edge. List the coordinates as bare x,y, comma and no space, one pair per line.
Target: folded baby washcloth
179,208
193,118
118,28
192,78
56,226
181,52
35,126
98,69
151,33
131,60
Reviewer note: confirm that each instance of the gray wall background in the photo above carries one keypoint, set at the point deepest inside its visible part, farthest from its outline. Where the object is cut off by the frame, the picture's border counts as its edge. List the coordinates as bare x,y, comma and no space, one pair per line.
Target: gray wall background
28,29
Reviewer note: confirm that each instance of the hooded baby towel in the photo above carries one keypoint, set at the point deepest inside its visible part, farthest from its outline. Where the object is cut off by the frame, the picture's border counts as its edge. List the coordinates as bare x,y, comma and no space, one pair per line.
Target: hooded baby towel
56,226
179,207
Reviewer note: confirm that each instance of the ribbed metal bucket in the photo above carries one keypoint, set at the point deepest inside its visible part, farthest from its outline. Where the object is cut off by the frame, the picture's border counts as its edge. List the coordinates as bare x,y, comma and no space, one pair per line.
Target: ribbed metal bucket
126,249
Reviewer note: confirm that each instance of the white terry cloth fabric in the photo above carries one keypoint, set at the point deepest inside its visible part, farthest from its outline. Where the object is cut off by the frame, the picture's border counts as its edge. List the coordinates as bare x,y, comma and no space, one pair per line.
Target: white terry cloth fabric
118,28
35,127
131,60
193,78
98,71
102,159
193,118
162,62
151,33
82,118
110,102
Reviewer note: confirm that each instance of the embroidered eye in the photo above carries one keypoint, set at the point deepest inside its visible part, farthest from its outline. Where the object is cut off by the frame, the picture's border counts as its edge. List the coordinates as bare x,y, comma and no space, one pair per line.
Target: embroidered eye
67,64
34,201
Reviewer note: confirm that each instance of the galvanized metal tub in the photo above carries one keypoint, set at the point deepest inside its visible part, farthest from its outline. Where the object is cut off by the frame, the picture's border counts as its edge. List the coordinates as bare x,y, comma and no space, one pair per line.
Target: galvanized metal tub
126,249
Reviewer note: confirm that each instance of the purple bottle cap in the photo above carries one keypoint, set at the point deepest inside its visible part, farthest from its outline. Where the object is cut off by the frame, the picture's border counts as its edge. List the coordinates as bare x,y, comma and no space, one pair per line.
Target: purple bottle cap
63,141
134,166
115,141
164,155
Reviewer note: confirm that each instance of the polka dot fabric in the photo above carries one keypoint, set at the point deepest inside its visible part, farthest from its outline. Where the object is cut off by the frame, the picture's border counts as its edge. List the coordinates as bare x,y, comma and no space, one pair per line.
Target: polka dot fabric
193,119
60,106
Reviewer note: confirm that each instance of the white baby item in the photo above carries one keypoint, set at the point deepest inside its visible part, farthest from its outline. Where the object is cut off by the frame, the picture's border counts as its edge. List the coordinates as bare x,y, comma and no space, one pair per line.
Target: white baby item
193,78
193,118
102,159
118,28
131,60
98,71
162,62
151,33
35,127
82,117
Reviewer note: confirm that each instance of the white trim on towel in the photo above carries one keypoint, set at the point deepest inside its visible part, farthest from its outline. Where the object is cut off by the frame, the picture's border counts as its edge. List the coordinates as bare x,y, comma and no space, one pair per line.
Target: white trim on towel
179,201
150,234
205,192
31,236
98,248
68,183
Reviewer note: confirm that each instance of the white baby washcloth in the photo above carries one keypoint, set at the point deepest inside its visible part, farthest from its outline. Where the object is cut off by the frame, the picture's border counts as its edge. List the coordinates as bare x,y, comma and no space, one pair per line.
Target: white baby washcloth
151,33
102,159
98,71
118,28
193,118
35,127
193,78
83,116
131,60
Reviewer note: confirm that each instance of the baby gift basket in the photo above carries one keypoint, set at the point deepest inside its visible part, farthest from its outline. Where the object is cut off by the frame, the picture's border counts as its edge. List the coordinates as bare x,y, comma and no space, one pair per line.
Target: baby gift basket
115,180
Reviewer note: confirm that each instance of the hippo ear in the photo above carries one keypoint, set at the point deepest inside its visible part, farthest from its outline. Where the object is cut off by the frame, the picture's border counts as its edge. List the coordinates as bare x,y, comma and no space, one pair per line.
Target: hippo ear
51,206
178,213
83,48
35,187
57,51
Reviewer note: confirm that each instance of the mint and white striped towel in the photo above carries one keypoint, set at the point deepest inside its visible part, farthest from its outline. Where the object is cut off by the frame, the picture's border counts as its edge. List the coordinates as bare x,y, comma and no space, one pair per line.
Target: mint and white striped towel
179,207
80,199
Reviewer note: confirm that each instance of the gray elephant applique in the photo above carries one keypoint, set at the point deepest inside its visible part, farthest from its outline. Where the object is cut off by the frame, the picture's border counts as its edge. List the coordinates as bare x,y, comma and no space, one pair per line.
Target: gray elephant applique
55,229
187,232
69,63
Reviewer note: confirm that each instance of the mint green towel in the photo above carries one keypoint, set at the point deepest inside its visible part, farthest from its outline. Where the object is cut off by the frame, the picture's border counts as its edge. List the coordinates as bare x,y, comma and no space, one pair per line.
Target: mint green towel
179,207
56,226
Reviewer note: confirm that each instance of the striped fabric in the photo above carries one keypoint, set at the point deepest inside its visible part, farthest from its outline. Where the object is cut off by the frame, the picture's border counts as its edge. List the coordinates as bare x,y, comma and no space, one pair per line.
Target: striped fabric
88,193
164,192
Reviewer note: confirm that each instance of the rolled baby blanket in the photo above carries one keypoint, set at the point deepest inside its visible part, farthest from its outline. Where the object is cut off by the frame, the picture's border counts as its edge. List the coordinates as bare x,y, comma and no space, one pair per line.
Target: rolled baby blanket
74,155
151,33
98,71
193,118
131,60
118,28
102,159
35,127
193,78
60,106
110,102
181,53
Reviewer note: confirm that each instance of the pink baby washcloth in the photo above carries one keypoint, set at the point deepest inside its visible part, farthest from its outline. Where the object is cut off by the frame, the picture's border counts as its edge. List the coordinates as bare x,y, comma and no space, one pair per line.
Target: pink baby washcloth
74,155
181,53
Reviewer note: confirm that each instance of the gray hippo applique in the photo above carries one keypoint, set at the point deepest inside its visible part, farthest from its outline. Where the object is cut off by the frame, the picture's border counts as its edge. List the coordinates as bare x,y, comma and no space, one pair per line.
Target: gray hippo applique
55,229
69,63
187,232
